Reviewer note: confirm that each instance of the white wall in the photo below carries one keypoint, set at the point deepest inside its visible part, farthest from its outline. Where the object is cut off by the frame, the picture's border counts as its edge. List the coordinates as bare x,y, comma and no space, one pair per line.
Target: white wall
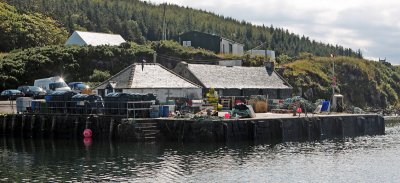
75,39
224,46
237,49
162,94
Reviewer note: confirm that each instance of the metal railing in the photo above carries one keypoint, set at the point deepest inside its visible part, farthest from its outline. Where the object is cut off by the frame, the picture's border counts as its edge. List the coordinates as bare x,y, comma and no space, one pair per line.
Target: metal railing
107,108
131,107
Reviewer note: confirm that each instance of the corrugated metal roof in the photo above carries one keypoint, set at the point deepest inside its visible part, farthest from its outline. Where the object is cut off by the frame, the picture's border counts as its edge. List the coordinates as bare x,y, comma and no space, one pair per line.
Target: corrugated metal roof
236,77
96,39
152,76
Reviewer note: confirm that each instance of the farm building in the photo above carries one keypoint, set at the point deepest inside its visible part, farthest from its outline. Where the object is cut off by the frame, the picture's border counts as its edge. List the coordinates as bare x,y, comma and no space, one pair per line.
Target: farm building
94,39
236,80
150,78
211,42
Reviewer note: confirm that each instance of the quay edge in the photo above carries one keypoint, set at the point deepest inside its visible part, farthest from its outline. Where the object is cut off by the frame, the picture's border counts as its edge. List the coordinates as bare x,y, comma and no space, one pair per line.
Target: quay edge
270,130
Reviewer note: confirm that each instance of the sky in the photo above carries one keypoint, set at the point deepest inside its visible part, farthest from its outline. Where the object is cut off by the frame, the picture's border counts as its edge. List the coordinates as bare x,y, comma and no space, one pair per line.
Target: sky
369,25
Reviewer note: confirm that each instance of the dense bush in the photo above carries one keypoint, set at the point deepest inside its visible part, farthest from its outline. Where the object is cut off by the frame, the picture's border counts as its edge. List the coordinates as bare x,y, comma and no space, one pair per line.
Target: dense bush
19,30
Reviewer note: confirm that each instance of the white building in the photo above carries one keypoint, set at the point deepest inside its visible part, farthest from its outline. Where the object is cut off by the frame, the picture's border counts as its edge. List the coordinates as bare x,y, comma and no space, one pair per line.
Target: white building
266,53
94,39
150,78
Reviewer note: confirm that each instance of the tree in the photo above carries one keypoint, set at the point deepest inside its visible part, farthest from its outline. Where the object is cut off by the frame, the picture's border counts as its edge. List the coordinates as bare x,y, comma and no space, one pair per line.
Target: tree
27,30
99,76
132,32
129,17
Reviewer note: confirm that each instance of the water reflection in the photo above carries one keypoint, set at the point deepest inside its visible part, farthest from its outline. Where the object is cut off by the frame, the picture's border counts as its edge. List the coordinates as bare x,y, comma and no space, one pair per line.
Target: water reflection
73,160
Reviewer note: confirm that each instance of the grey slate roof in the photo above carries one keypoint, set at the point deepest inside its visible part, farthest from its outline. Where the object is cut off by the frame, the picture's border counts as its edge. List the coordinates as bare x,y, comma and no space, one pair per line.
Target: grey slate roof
237,77
152,76
94,39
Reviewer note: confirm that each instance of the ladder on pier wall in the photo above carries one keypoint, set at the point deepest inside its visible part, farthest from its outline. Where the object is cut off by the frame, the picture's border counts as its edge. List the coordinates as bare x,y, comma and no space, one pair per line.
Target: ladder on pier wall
148,130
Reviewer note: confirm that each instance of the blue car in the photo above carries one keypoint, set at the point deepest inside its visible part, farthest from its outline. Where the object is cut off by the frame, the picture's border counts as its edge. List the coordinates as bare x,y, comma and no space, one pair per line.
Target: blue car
78,86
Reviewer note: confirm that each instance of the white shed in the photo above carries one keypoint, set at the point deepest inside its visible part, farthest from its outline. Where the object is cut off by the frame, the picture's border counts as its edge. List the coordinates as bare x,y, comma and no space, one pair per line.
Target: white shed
94,39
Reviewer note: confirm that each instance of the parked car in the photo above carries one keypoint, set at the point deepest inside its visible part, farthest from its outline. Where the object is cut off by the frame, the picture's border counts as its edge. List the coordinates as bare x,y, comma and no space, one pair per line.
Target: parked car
80,87
11,94
32,91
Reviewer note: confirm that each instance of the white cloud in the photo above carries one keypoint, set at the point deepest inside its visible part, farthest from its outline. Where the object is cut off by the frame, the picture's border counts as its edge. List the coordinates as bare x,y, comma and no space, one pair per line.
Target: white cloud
370,25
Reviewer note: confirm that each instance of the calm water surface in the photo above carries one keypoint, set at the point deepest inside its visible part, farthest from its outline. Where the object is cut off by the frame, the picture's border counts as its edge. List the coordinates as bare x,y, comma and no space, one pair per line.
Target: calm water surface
363,159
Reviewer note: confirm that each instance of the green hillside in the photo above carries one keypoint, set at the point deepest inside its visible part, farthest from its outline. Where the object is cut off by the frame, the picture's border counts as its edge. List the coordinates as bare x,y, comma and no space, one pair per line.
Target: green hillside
139,21
363,83
24,30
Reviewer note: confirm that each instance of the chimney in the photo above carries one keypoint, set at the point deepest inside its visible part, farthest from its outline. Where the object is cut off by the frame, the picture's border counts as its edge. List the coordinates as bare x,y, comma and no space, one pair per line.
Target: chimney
269,66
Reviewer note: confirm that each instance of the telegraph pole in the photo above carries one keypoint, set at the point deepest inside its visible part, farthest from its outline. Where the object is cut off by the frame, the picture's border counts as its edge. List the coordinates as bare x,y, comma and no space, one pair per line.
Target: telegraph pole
164,34
333,77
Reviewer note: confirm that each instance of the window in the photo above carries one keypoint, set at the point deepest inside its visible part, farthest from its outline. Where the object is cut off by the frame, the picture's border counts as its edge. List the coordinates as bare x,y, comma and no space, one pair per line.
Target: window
187,43
110,90
230,48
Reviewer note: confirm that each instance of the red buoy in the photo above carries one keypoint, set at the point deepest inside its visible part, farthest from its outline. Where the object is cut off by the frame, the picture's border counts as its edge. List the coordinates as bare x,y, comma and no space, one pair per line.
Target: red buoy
87,133
227,115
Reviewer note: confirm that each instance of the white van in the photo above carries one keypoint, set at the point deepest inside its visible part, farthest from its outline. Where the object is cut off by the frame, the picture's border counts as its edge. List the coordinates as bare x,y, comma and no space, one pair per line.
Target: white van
55,83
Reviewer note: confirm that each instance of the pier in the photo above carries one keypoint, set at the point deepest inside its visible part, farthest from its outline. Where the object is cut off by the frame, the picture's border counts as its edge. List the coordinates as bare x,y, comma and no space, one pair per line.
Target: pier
264,128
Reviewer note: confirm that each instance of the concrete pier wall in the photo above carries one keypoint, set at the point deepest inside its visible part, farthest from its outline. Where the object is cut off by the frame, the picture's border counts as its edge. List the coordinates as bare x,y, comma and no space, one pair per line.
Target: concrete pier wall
273,130
185,130
56,126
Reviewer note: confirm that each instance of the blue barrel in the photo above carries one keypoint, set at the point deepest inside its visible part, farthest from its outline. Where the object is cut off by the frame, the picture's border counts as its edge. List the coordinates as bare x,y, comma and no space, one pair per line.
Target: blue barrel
47,98
34,105
165,111
325,106
154,114
161,111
